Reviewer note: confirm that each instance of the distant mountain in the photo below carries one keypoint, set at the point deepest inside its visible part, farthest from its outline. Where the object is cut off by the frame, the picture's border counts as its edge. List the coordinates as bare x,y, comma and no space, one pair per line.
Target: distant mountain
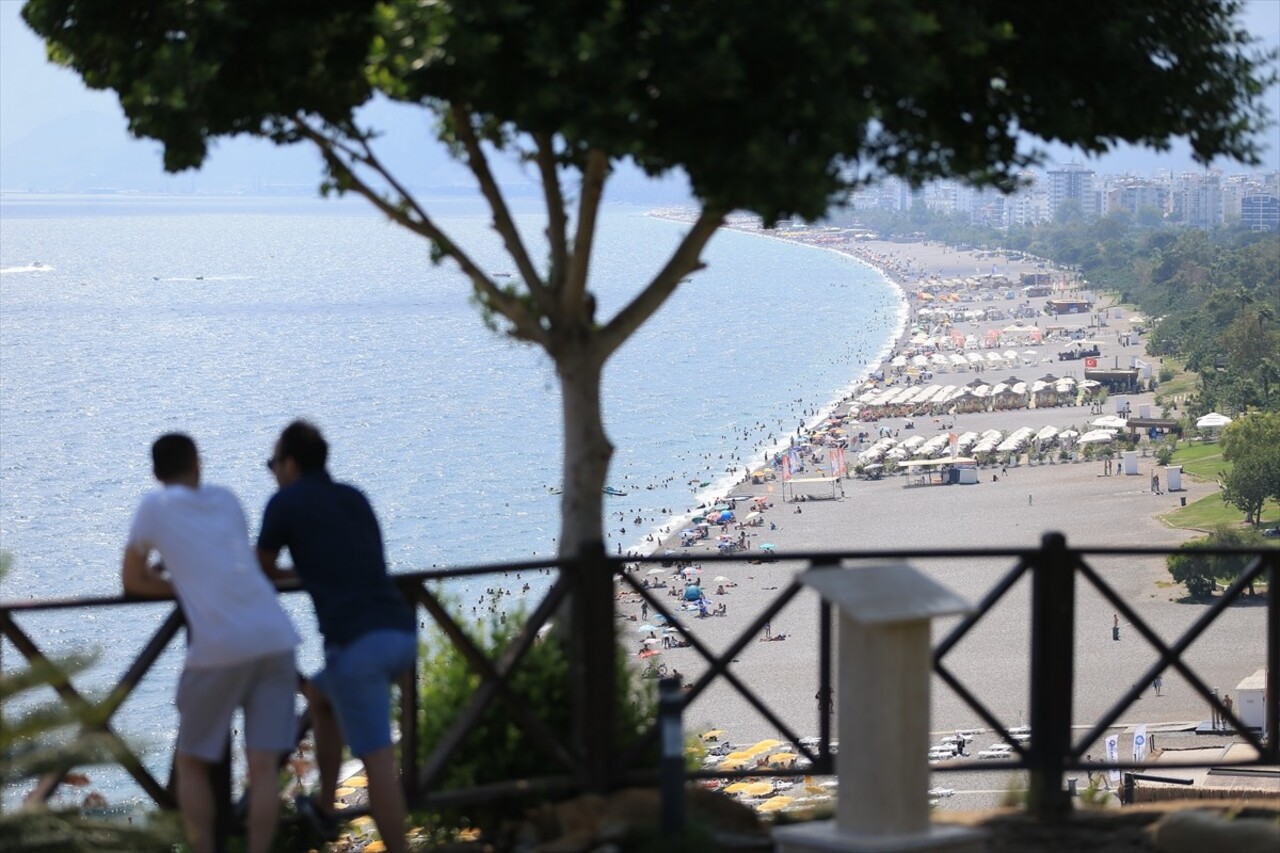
93,152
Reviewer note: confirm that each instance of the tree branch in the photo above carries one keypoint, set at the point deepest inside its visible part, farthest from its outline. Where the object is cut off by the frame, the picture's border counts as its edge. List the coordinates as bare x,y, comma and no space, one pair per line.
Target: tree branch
684,260
412,216
588,206
502,222
557,222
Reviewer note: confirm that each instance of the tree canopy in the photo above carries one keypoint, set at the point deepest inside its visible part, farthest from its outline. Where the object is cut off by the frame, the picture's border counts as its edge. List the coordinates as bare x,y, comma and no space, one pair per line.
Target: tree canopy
1252,445
770,106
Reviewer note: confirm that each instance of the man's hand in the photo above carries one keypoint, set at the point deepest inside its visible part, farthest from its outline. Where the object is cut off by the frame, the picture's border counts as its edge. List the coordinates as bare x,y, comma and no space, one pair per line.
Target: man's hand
139,580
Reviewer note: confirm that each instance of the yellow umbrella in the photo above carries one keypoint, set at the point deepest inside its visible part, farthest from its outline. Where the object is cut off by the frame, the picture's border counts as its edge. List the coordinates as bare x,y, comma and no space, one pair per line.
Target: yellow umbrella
782,758
758,789
774,804
767,743
734,763
737,787
713,734
743,755
358,782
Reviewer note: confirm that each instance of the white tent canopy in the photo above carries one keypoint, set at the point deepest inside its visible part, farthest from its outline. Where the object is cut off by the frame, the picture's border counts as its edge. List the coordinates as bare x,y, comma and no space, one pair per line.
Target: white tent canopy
1213,420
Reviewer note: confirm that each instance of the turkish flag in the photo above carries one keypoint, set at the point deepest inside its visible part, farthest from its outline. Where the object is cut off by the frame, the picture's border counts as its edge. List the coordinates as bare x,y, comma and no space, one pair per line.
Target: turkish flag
1090,362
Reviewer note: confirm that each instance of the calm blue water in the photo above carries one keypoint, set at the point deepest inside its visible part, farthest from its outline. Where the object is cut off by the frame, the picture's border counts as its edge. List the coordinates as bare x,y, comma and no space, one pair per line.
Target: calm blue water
228,318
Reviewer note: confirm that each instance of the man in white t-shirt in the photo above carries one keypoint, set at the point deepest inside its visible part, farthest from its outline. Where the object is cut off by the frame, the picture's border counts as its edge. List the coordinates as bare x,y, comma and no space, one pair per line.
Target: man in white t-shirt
240,642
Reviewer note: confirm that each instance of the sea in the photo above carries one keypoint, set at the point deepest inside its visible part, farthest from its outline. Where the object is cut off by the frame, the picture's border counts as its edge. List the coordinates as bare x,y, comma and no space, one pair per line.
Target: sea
124,317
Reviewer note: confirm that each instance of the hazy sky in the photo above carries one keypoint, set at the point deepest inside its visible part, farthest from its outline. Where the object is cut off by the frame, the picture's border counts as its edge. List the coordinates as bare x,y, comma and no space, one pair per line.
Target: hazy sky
33,91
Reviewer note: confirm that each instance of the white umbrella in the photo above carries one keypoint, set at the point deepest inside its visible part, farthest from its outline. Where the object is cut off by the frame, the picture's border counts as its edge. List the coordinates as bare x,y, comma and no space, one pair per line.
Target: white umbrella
1068,433
657,571
1046,433
1095,436
1109,421
1213,420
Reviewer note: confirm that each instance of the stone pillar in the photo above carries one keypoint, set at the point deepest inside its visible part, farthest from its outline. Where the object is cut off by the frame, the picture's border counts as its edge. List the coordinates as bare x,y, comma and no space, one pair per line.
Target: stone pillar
884,675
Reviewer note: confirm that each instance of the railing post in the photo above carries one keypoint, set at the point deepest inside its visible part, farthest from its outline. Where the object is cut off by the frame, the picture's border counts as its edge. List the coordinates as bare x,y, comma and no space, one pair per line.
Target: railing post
672,765
1053,602
1271,712
593,665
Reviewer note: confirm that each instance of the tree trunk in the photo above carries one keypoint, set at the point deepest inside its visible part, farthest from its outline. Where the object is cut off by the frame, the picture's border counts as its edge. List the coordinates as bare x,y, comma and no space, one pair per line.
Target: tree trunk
586,623
587,450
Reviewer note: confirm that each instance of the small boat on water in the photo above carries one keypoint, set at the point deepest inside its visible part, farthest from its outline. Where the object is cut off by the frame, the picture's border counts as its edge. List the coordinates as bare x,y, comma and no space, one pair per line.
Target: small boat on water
610,490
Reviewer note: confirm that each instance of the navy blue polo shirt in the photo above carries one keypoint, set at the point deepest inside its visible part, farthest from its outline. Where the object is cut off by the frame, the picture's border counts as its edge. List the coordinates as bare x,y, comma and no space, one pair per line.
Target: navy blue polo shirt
336,545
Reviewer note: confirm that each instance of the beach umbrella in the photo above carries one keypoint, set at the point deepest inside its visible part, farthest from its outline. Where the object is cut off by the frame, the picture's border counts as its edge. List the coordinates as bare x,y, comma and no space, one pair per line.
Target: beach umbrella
714,734
1095,436
1046,433
737,787
767,546
692,593
758,789
643,628
721,579
1109,421
781,759
651,641
775,804
1213,420
658,571
734,764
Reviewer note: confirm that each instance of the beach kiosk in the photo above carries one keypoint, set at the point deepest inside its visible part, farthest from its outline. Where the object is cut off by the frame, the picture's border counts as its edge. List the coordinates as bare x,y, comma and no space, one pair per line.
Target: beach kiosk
1173,477
885,666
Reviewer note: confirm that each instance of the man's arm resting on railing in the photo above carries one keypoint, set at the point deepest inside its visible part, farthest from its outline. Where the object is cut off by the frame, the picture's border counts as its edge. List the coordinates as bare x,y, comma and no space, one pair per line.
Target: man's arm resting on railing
270,562
139,580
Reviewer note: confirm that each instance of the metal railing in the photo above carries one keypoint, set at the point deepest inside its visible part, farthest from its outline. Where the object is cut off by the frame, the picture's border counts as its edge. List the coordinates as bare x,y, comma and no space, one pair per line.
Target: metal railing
584,593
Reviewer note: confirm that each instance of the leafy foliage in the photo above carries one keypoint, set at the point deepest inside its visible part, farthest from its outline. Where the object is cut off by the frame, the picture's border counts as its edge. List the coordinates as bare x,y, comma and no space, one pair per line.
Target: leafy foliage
1252,445
44,739
498,748
1199,572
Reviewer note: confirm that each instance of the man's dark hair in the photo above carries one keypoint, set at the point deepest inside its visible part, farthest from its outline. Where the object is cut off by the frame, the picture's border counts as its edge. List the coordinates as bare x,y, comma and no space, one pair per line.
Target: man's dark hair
302,441
173,455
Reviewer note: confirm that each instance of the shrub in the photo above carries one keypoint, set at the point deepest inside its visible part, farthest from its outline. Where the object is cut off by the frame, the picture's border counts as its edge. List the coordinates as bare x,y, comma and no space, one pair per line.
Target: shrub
1199,572
1167,373
1165,449
498,749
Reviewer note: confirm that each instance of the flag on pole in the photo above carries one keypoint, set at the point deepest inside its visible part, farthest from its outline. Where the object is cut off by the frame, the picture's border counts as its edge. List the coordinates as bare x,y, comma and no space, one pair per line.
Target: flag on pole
1113,755
786,468
1140,742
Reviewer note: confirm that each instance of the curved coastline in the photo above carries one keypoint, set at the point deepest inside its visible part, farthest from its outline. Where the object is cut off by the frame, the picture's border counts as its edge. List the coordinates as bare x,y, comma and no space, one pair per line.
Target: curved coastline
658,535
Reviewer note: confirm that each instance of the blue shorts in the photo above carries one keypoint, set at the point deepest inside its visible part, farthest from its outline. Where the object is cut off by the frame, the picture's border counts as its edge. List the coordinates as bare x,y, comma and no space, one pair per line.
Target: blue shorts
357,678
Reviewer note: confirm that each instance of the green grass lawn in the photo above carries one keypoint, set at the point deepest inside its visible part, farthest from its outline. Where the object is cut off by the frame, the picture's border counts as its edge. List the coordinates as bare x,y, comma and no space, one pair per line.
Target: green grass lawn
1211,510
1201,459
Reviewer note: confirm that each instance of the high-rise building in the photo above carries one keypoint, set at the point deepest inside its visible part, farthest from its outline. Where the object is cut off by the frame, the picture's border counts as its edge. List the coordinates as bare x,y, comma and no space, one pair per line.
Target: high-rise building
1072,183
1197,200
1260,212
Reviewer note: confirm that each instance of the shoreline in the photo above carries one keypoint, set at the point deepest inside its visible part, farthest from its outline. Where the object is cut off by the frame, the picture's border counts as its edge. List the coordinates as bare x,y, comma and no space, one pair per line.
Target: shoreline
1011,506
900,280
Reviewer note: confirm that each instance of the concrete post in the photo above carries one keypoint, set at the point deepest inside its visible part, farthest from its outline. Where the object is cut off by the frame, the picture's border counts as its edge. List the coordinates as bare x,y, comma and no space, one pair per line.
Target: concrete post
884,675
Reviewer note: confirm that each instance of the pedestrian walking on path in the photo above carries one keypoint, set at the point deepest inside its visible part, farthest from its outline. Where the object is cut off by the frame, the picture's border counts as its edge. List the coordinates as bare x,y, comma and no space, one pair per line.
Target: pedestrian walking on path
1158,685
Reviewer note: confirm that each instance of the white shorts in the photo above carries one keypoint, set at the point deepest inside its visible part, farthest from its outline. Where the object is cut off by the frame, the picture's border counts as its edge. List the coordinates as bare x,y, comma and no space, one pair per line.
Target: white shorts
264,687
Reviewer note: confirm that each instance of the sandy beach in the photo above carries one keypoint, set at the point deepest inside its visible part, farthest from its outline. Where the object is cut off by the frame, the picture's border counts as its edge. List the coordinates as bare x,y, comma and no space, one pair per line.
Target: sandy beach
1010,506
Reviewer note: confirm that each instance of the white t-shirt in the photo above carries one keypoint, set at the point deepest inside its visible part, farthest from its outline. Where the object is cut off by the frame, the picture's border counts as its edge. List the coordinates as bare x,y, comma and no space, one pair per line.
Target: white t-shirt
232,611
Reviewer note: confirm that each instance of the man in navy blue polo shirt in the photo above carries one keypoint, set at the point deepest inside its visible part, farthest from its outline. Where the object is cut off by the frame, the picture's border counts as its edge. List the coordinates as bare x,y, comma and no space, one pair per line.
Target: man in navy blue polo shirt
368,628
